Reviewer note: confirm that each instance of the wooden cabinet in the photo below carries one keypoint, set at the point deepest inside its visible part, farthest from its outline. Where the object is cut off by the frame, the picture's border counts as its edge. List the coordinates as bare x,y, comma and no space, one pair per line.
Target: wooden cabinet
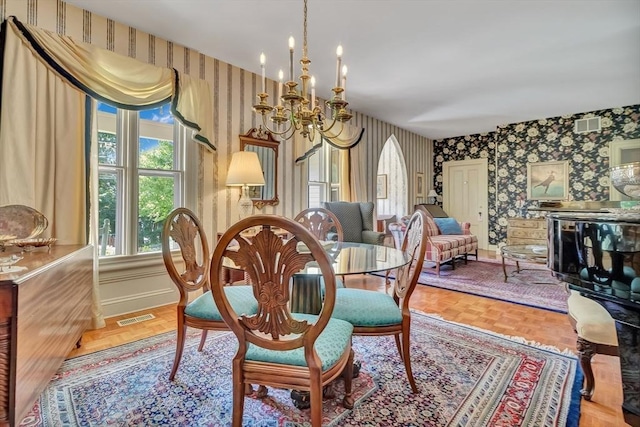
527,231
43,312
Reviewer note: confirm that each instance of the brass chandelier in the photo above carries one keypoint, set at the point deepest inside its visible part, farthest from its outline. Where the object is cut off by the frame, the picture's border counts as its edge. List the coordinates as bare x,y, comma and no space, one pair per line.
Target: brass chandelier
295,112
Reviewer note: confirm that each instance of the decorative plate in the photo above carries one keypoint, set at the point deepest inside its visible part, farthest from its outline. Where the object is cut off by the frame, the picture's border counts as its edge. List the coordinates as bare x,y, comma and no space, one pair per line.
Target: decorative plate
37,242
22,221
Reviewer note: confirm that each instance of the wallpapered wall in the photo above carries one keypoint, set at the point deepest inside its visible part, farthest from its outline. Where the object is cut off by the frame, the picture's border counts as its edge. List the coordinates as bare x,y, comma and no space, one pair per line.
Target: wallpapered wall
512,146
234,92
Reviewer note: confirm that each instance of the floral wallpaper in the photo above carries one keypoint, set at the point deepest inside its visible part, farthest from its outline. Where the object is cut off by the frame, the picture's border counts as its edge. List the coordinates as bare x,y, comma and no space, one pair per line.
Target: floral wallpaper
512,146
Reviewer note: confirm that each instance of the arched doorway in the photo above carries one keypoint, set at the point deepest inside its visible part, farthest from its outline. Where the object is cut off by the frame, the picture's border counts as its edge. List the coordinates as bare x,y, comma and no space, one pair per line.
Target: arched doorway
392,171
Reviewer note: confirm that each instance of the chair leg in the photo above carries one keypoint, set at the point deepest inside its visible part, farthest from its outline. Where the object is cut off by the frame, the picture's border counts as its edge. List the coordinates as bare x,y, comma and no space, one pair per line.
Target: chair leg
315,398
203,338
238,394
406,356
347,374
181,335
399,345
438,268
586,351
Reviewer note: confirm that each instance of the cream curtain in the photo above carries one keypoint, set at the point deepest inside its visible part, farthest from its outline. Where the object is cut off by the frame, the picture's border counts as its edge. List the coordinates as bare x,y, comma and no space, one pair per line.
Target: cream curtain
122,81
42,148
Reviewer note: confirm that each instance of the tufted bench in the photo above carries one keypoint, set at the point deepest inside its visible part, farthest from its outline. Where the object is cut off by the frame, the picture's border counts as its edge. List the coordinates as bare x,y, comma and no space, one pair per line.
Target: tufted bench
596,331
441,248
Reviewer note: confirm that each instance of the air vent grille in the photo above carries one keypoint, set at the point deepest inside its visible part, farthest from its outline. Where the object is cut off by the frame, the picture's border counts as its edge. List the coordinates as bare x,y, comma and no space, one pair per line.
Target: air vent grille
591,124
137,319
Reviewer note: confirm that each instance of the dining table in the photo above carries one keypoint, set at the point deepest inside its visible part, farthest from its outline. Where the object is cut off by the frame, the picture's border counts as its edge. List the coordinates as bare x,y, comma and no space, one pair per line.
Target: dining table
349,258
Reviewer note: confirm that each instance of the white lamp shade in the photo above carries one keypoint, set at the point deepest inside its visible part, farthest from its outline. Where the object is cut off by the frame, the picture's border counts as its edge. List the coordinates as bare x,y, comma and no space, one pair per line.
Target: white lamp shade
245,169
432,193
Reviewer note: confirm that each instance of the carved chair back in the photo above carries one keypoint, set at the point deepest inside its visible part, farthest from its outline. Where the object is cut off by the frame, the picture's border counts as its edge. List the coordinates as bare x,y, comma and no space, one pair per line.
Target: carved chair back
320,222
415,245
270,263
184,228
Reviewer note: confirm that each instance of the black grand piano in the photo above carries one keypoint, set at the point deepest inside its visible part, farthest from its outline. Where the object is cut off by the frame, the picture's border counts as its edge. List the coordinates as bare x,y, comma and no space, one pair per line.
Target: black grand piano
598,254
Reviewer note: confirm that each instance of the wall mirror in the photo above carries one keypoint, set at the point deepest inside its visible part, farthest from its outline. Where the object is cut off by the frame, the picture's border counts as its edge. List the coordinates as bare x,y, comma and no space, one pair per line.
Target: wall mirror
262,143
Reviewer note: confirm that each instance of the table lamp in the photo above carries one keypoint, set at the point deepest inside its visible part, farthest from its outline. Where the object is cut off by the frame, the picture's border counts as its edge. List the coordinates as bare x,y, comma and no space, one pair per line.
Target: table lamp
432,197
244,171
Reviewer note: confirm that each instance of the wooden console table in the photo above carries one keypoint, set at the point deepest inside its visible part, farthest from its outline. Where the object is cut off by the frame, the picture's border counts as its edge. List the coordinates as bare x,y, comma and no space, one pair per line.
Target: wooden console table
43,312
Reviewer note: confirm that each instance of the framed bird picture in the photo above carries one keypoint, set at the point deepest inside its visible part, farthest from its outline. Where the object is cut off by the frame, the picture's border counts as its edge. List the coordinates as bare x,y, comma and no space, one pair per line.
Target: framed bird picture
548,180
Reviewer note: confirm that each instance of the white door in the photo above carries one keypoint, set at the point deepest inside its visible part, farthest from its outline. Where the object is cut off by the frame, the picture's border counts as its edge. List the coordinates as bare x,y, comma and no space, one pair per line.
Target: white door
464,195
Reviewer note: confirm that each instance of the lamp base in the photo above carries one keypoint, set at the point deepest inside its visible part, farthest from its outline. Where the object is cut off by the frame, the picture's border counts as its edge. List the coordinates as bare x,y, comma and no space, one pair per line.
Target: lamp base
245,204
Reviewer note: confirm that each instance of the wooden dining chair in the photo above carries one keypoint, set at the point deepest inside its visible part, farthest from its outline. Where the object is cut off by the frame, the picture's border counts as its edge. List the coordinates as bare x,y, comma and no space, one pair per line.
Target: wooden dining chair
276,347
191,276
321,222
377,313
324,225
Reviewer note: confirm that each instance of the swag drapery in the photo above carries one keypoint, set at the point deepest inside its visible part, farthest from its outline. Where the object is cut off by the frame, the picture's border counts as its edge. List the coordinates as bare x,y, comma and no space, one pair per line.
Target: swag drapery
352,178
48,142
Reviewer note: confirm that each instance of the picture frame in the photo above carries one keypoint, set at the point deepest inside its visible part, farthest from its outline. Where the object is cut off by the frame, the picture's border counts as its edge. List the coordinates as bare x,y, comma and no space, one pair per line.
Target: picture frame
381,187
419,184
548,180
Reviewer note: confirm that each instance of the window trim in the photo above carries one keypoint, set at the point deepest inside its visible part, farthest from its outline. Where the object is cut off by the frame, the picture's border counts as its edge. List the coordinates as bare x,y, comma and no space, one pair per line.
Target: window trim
186,165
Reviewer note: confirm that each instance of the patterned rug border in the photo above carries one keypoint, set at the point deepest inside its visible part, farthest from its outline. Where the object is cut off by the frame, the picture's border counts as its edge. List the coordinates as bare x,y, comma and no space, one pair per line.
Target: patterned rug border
567,415
515,338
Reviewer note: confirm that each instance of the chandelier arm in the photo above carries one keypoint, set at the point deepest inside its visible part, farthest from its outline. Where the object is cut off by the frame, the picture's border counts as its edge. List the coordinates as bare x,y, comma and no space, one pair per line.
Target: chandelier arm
278,133
333,123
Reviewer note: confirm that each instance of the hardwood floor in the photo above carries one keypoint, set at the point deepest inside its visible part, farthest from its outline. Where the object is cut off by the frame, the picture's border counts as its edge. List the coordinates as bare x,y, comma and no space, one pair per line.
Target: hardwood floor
533,324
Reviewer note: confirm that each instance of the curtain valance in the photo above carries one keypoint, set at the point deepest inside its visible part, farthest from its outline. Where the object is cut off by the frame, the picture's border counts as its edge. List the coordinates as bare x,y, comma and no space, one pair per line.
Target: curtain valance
120,80
344,138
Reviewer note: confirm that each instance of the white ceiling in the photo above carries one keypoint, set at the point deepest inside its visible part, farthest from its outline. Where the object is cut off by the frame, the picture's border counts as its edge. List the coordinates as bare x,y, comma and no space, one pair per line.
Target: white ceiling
438,68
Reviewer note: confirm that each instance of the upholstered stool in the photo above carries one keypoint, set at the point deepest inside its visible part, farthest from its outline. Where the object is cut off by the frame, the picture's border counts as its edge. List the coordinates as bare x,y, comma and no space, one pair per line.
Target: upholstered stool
596,334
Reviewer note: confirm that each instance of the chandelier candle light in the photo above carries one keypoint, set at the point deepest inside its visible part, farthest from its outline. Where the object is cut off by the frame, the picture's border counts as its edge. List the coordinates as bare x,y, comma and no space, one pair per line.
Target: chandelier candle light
245,171
294,112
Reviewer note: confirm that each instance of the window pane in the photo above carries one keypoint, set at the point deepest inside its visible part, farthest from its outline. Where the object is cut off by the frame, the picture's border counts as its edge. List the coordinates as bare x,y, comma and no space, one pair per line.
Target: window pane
156,154
107,140
156,139
156,196
316,195
108,186
314,165
335,194
335,165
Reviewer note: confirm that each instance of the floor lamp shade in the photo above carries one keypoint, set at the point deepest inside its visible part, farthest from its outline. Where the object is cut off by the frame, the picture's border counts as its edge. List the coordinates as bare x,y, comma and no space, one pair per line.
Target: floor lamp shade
245,171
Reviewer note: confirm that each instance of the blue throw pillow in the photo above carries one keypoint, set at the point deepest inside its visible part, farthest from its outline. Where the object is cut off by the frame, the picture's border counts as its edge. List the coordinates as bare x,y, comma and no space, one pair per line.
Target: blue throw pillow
448,225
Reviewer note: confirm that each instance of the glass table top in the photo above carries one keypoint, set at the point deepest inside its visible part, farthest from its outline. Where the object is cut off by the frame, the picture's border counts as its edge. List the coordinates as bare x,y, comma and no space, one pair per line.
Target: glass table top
354,258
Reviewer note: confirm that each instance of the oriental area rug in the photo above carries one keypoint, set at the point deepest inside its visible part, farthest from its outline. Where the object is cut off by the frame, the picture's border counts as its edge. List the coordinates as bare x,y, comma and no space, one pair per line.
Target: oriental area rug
466,376
533,286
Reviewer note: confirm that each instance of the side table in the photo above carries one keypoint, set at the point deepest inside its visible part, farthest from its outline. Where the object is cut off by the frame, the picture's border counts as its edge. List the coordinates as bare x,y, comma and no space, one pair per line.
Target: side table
523,253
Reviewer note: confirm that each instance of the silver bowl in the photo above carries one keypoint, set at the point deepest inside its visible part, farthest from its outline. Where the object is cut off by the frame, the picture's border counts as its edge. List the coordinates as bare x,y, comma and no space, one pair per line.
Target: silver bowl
626,179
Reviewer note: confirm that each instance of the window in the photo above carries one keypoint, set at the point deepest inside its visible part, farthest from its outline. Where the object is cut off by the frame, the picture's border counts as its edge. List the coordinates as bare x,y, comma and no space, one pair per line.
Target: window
324,176
142,164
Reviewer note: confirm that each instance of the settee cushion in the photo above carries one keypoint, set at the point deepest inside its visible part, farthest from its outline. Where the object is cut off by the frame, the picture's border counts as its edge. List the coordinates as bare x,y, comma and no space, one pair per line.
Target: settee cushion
448,225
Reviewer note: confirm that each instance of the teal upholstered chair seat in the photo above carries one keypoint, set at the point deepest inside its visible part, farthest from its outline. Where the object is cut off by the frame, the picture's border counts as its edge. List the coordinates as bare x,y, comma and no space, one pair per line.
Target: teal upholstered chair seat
365,308
240,297
330,345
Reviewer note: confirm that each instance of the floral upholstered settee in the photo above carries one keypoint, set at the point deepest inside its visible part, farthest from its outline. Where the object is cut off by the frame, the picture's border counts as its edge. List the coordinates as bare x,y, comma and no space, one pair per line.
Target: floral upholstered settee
441,248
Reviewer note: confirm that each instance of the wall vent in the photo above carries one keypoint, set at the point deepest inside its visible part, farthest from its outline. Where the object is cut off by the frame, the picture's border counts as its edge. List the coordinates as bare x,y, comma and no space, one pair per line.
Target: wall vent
591,124
137,319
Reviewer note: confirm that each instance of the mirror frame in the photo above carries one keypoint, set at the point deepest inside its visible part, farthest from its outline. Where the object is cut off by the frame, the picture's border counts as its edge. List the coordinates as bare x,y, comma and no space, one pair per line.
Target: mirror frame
263,138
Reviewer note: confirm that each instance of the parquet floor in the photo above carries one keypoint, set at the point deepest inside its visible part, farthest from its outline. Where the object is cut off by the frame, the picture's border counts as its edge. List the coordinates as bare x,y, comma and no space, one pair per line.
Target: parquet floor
534,324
